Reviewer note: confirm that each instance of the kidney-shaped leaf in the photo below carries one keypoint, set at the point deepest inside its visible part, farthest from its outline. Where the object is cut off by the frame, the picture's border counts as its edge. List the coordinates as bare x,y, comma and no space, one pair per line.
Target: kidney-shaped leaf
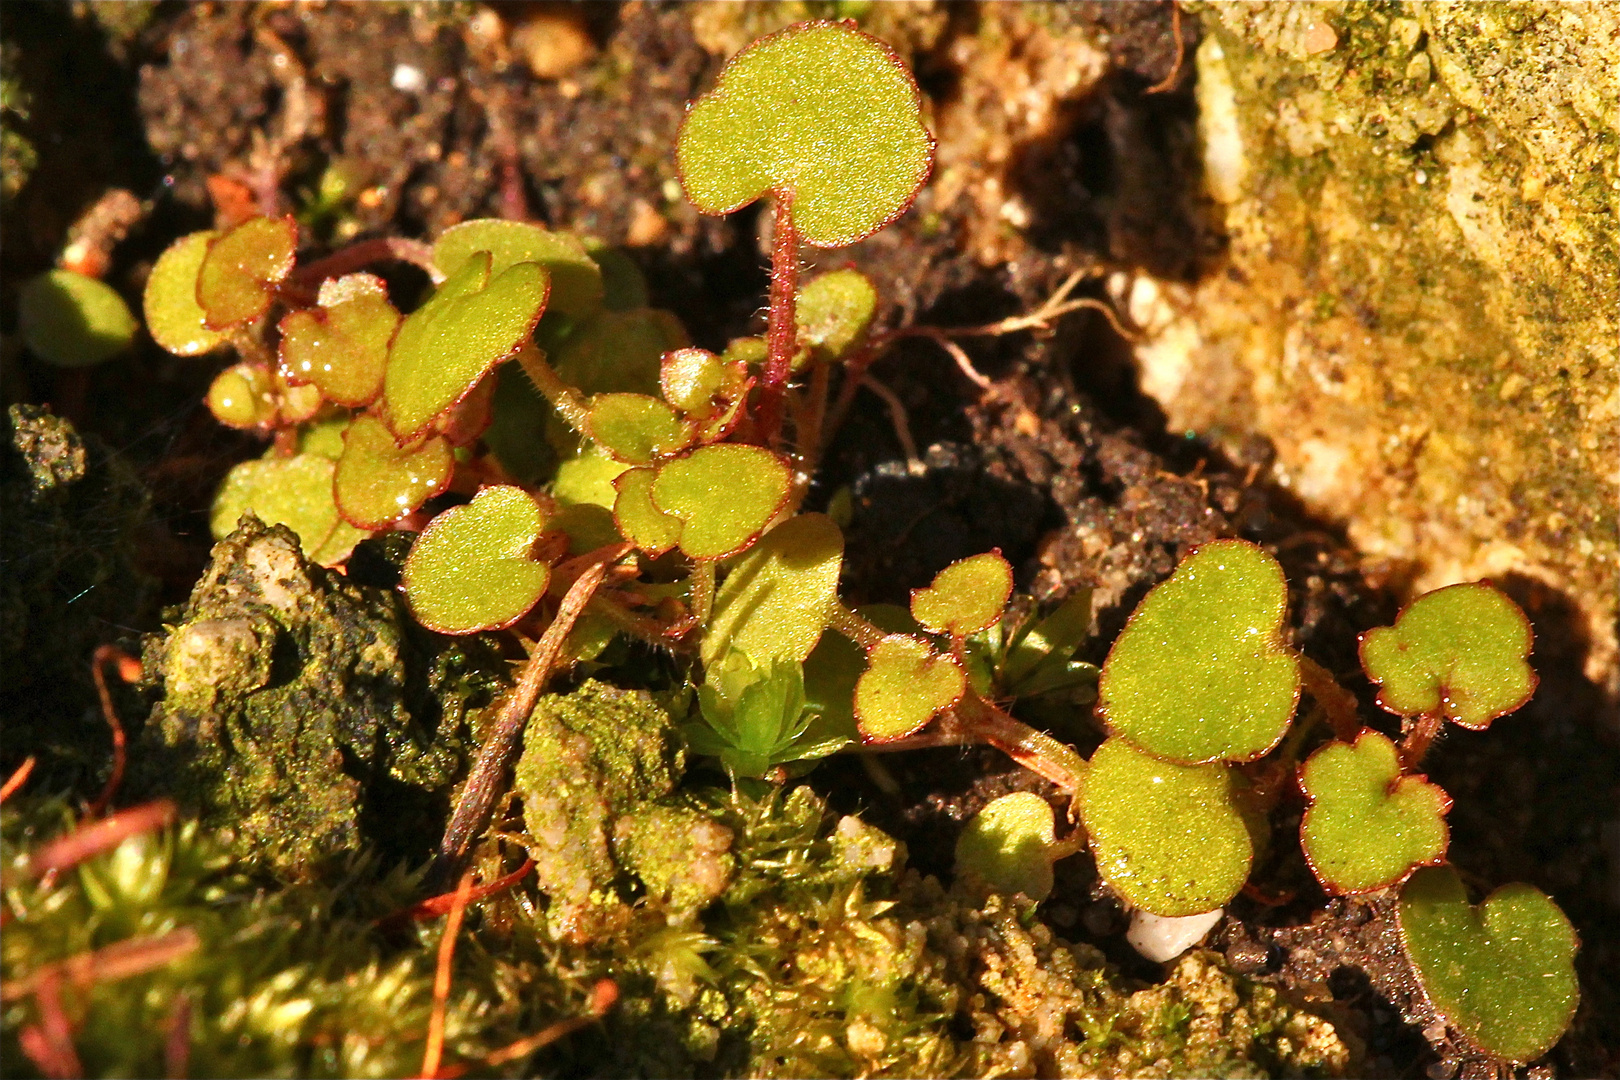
905,683
1168,837
965,597
1009,845
1201,672
341,346
241,269
295,492
639,520
774,602
243,397
173,317
1503,973
1459,652
444,347
576,282
378,481
636,428
724,495
819,113
471,568
1368,826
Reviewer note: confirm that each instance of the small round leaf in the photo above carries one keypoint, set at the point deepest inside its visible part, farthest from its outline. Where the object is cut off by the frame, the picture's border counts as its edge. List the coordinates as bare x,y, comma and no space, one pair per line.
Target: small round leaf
173,317
342,345
833,312
576,282
239,274
295,492
965,597
1502,973
635,428
378,482
638,519
243,396
724,495
1201,672
72,320
1368,826
820,113
774,602
444,347
1008,845
471,570
905,684
1168,837
1459,652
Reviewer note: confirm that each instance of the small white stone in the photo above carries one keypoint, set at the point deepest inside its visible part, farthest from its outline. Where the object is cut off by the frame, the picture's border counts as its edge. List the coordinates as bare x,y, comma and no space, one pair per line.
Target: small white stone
1160,938
409,78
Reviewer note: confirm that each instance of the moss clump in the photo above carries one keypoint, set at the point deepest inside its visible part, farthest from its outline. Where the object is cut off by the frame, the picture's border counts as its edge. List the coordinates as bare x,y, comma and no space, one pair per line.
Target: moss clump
303,710
72,514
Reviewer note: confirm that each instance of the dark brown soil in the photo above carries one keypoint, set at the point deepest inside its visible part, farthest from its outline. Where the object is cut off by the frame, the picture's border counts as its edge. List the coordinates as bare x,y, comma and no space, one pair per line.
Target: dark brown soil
1065,467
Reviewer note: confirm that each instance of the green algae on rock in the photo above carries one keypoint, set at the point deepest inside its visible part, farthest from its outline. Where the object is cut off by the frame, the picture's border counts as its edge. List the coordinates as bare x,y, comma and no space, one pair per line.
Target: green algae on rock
302,709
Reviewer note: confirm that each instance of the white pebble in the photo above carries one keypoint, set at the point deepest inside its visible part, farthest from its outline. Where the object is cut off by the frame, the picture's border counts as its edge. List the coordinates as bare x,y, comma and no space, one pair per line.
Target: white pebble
1160,938
409,78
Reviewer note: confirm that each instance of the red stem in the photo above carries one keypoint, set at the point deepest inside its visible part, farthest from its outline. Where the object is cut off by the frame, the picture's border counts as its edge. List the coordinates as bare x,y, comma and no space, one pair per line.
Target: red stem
782,337
1418,740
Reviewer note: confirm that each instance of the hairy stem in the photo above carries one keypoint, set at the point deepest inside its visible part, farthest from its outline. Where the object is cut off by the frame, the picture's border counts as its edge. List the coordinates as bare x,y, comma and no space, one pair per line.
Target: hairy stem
564,398
852,626
355,256
1034,750
1338,703
782,336
1419,737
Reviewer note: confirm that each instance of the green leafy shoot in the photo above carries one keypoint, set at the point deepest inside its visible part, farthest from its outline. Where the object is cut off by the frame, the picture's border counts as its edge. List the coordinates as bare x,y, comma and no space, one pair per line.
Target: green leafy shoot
1037,656
379,482
441,350
1169,837
341,346
576,280
1011,845
906,683
724,495
243,397
472,568
1201,672
1459,652
755,718
71,320
820,114
966,597
237,280
834,311
776,598
292,491
1502,973
173,317
1368,826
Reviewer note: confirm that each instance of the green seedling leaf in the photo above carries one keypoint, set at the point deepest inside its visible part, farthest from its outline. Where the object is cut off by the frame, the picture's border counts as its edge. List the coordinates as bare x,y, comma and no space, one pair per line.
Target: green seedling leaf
1458,652
1168,837
1502,973
576,281
905,684
701,384
638,518
1010,845
325,437
243,396
444,347
1040,656
71,320
519,416
754,717
724,495
341,346
173,317
379,482
1201,672
1368,826
239,274
295,492
635,428
818,113
833,313
471,569
966,597
623,285
587,479
775,600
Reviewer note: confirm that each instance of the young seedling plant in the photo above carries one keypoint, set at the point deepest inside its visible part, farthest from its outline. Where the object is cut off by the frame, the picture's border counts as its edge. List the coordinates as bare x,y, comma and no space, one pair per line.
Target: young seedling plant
593,474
